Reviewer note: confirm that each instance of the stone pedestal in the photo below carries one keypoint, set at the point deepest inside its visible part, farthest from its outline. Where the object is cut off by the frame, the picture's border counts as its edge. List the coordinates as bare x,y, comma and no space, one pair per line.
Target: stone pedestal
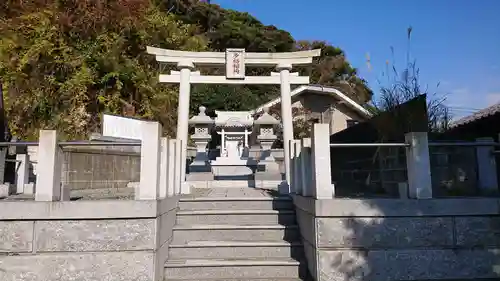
268,168
200,162
267,160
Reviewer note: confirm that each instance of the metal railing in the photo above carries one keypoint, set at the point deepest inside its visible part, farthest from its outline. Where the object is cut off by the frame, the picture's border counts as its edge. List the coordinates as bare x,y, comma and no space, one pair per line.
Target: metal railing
465,144
73,143
369,144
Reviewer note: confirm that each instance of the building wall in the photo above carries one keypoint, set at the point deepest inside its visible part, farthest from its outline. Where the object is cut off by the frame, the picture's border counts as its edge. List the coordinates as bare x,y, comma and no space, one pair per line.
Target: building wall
327,109
85,240
395,239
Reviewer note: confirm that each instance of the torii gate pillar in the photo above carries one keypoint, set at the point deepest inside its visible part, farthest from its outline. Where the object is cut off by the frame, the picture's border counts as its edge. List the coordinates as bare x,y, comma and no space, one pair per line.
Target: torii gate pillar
235,61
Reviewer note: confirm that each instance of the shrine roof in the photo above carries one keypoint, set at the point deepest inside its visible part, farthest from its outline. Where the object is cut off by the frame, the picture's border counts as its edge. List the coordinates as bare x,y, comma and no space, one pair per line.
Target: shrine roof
318,89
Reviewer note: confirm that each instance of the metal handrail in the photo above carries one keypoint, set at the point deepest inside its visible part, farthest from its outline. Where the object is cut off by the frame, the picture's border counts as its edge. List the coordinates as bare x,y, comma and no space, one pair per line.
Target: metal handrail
74,143
464,144
408,145
369,144
98,143
18,143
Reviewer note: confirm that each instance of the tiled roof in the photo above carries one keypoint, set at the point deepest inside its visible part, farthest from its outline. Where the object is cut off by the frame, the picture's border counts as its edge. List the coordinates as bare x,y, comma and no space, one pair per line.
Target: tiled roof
320,90
492,110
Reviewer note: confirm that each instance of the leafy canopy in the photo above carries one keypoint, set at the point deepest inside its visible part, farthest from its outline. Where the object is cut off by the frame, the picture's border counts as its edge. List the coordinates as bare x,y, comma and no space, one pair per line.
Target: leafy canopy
64,63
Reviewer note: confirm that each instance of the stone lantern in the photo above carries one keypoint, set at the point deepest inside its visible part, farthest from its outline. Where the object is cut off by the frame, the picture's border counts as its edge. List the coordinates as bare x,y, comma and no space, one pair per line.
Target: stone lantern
202,125
266,127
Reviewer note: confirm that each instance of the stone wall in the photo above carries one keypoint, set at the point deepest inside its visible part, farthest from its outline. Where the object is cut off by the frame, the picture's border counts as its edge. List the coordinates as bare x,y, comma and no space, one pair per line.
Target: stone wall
393,239
87,241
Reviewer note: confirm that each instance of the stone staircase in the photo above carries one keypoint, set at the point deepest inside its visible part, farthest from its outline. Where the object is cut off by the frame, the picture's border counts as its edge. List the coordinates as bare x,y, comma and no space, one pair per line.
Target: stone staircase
236,234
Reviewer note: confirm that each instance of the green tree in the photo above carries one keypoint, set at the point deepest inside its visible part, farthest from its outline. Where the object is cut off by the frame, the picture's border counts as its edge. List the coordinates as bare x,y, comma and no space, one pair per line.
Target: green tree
231,29
63,64
333,69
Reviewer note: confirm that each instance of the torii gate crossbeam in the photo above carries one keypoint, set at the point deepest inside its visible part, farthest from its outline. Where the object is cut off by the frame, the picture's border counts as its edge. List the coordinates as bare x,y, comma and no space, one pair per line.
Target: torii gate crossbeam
235,61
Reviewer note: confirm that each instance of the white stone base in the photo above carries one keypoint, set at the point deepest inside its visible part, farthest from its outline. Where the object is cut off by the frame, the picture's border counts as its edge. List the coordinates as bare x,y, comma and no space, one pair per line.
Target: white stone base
264,184
6,189
231,171
29,188
270,167
233,168
200,176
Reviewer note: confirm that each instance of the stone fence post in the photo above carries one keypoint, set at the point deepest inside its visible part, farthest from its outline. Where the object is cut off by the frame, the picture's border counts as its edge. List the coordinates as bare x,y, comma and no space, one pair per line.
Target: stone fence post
50,158
22,171
296,166
164,186
418,166
149,186
486,165
305,167
321,164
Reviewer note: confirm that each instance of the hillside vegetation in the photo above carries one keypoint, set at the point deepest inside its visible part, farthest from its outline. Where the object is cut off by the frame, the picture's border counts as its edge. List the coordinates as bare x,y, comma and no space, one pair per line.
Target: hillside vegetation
64,63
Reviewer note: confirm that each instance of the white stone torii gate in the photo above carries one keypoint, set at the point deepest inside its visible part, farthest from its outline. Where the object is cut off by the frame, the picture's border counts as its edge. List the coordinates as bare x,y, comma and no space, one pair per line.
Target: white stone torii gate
235,61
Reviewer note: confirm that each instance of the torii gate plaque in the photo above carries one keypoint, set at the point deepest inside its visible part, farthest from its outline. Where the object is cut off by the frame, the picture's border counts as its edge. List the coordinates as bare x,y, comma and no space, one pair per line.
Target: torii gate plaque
235,61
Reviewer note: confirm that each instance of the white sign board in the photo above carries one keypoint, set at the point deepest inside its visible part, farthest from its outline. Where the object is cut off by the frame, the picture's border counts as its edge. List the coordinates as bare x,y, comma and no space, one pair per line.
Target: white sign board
121,127
235,63
224,116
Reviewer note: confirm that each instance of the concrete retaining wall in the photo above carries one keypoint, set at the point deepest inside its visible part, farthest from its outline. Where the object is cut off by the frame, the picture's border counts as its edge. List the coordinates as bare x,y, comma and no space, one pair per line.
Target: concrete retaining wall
393,239
88,240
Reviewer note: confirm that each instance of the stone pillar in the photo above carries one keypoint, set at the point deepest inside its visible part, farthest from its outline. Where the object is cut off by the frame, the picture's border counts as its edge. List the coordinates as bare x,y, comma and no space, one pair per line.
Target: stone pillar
183,112
305,166
171,191
163,192
22,171
50,158
202,125
149,185
286,114
3,155
297,167
418,166
486,165
321,164
178,167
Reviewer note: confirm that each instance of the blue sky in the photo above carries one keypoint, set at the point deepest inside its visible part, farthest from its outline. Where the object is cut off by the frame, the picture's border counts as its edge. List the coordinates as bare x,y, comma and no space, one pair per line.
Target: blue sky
456,42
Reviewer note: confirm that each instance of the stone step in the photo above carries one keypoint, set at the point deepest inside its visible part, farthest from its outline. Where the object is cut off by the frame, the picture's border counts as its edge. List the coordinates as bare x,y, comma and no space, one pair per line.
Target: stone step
239,217
266,184
236,203
239,279
235,249
233,192
233,269
184,234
